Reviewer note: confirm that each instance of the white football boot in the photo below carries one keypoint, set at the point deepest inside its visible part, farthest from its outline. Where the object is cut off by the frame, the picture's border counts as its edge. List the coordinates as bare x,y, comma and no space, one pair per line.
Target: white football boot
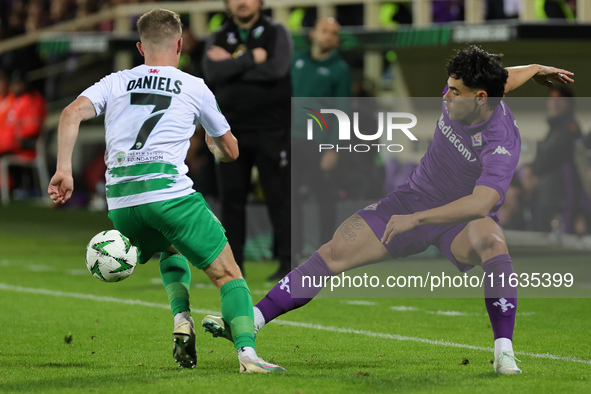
183,350
258,365
216,326
505,364
250,362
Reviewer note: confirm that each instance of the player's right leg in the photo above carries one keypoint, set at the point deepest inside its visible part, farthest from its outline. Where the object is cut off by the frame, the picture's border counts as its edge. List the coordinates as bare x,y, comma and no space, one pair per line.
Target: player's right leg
354,244
237,311
482,242
190,225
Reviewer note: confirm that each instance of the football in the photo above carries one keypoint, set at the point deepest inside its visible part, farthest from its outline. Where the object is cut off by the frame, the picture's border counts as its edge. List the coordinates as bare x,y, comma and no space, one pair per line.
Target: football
110,256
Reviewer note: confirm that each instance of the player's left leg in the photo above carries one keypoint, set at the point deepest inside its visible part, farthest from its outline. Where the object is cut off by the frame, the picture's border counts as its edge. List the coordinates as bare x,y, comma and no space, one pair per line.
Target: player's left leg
175,273
482,242
176,278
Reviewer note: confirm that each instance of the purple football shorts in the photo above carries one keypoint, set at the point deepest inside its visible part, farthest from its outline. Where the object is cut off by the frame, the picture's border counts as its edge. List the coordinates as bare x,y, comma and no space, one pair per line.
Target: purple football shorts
404,201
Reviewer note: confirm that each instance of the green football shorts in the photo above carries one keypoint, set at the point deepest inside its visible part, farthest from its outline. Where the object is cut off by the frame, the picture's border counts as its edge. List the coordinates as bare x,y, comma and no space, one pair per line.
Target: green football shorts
185,222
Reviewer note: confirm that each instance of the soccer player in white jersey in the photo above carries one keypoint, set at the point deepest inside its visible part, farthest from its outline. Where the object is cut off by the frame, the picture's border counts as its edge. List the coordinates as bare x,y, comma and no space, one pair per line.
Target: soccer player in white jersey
150,113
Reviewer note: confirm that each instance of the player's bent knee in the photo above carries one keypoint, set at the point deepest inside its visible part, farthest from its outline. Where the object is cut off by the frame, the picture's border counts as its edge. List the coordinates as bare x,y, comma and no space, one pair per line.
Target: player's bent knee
326,251
330,253
492,246
223,269
499,247
221,277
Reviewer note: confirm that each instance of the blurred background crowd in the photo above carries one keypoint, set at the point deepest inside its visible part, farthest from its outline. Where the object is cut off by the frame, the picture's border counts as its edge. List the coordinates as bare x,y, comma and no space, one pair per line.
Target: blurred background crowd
25,16
42,68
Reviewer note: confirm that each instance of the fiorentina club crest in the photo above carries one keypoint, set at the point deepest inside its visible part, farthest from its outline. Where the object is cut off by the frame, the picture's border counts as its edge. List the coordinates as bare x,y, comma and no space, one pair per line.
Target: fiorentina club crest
477,139
503,304
372,207
285,284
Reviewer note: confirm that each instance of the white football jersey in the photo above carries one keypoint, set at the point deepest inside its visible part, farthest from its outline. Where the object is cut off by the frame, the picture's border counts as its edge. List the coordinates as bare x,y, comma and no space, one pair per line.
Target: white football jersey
150,115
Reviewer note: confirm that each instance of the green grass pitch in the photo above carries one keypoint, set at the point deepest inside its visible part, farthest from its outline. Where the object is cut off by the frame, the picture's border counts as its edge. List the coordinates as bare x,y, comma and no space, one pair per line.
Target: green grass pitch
62,331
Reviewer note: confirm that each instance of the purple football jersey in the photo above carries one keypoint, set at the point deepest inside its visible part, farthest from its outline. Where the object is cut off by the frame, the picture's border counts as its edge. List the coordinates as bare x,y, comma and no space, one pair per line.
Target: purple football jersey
461,157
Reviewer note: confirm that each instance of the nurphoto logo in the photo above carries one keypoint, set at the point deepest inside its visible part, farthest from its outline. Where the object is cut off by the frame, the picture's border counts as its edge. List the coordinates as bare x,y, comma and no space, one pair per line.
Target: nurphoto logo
391,122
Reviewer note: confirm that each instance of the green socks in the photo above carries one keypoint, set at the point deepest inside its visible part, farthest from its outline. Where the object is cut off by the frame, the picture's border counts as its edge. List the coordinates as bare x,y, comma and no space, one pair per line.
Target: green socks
176,278
237,311
236,300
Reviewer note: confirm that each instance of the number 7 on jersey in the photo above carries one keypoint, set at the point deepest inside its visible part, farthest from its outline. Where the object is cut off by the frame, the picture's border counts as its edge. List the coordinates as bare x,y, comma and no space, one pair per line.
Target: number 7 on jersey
160,103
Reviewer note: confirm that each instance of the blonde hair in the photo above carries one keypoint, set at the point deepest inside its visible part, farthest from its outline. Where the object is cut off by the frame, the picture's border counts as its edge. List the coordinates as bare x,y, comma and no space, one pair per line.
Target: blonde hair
159,25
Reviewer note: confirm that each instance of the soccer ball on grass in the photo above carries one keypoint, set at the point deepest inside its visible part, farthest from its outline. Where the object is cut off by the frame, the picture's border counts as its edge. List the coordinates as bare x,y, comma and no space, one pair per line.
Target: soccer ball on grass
110,256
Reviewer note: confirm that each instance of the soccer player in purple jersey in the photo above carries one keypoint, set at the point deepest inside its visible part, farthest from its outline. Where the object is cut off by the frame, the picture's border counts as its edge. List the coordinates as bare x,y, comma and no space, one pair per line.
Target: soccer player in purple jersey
450,200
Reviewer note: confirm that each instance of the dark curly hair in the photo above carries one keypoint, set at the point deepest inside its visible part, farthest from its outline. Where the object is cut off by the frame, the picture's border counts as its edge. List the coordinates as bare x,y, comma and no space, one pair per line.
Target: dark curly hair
479,69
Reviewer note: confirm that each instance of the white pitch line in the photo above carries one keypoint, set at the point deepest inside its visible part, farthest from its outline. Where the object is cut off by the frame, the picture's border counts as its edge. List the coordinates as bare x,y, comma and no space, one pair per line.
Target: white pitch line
359,302
92,297
404,308
397,337
452,313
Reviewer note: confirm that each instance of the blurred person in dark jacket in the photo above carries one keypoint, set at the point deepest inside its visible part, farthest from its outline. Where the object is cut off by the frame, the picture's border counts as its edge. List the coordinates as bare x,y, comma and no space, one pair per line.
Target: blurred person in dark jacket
246,65
553,177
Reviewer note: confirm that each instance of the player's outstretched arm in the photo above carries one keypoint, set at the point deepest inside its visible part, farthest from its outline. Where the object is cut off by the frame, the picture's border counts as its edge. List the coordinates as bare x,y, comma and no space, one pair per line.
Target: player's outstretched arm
475,206
61,185
544,75
224,148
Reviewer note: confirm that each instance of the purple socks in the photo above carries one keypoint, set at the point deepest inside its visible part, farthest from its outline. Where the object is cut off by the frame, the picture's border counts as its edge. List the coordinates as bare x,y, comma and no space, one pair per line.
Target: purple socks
501,301
289,293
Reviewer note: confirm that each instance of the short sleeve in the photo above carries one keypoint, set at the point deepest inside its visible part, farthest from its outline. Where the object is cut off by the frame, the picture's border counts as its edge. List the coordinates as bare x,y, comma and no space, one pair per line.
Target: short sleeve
98,94
210,116
498,165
